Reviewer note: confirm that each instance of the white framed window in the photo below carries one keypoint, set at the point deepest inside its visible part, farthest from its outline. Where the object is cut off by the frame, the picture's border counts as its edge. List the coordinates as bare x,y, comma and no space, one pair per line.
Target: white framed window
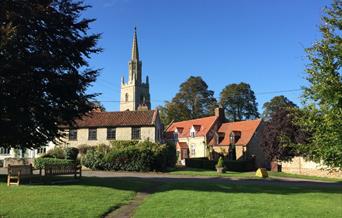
41,150
193,151
5,151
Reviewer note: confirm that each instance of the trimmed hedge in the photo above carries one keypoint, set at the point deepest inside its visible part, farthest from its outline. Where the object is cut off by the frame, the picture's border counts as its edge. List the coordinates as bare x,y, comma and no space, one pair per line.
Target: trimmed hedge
41,162
131,156
230,165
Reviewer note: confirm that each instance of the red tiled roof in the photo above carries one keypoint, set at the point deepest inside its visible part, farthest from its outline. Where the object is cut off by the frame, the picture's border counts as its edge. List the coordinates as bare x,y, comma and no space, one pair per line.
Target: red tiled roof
247,129
115,119
182,145
204,125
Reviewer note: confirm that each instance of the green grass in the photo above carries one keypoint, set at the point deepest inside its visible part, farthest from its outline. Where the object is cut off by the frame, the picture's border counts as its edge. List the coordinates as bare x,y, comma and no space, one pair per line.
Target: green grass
246,175
211,173
206,199
290,175
92,197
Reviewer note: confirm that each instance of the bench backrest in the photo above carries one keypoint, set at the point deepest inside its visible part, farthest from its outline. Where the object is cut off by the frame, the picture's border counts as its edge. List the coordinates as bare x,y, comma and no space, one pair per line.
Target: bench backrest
23,170
60,170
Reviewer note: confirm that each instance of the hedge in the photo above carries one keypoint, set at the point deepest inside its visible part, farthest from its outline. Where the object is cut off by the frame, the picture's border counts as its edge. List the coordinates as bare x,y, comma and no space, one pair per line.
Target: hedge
41,162
230,165
131,156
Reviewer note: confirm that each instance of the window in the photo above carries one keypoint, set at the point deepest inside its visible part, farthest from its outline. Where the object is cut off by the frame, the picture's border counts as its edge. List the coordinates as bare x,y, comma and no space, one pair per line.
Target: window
111,133
193,151
192,134
136,133
92,134
73,134
175,136
41,150
126,97
5,151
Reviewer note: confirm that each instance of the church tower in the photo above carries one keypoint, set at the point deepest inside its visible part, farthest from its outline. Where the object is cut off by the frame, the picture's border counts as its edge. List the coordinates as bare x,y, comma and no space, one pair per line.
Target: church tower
135,94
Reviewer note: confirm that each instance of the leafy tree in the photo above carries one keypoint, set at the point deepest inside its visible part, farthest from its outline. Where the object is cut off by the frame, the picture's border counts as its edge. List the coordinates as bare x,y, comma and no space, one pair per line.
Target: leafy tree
275,104
193,100
322,114
239,102
44,47
281,135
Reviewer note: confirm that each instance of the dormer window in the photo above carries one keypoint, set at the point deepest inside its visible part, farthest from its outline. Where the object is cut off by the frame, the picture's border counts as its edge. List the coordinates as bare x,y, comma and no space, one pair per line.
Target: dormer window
220,137
234,137
194,129
175,135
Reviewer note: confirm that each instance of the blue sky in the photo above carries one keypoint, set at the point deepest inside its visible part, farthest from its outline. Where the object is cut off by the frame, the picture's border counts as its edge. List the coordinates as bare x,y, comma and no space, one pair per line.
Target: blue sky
258,42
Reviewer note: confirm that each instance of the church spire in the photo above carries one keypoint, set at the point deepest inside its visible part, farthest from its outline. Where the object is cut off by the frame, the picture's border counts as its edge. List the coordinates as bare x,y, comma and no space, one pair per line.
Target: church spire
135,51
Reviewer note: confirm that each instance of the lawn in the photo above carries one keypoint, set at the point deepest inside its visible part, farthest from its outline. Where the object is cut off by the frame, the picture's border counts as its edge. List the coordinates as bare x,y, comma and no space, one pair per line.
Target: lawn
246,175
211,173
92,197
226,200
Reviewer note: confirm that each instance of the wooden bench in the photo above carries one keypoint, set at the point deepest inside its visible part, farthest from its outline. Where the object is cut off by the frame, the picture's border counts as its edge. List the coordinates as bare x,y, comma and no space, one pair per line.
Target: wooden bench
18,172
55,170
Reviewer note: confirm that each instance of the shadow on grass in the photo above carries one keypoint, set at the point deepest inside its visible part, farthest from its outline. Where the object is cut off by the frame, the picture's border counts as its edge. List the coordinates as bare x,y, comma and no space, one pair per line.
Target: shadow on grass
162,184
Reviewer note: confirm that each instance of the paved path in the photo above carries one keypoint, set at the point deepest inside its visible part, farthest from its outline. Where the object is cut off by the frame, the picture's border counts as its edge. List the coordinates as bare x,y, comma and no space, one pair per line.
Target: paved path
166,177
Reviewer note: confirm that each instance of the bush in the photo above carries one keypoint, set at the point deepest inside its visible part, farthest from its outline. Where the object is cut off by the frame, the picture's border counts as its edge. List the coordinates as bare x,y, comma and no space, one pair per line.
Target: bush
124,144
40,162
131,156
82,149
71,153
56,152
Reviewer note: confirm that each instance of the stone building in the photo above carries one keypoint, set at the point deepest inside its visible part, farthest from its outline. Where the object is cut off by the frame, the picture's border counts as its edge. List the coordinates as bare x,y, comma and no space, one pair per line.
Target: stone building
103,127
135,94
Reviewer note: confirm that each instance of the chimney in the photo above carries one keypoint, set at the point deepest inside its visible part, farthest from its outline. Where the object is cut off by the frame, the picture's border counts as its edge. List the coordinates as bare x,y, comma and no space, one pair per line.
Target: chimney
219,112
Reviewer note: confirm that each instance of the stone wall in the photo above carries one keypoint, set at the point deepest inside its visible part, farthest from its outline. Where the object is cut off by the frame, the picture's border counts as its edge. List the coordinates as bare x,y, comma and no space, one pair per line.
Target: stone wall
122,133
299,165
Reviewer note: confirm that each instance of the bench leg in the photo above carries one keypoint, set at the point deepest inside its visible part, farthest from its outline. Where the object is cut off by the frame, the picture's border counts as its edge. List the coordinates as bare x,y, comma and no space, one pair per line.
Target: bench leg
8,180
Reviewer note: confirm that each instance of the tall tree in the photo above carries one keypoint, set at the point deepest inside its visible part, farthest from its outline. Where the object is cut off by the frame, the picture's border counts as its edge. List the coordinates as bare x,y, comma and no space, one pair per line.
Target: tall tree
281,135
193,100
239,102
44,74
322,114
275,104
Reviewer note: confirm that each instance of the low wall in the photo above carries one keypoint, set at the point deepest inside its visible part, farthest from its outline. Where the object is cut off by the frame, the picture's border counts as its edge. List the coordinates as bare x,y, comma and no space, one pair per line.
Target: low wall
17,161
300,166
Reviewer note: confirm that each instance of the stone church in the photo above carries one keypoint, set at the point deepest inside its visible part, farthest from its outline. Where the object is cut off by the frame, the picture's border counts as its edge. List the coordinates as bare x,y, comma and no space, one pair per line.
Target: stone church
135,94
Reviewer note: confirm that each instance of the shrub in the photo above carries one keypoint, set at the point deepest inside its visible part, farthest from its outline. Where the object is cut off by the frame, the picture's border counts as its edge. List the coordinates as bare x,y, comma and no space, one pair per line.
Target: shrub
230,165
131,156
220,163
71,153
56,152
42,162
94,159
123,144
82,149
